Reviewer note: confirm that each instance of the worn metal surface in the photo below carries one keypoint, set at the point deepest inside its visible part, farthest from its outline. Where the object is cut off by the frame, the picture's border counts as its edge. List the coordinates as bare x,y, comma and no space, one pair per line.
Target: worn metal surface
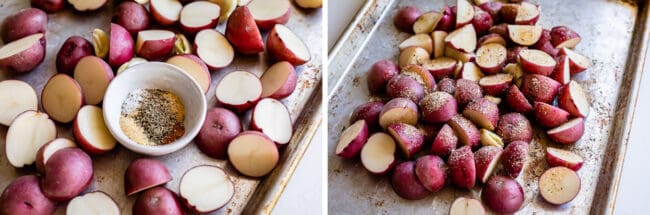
254,195
614,37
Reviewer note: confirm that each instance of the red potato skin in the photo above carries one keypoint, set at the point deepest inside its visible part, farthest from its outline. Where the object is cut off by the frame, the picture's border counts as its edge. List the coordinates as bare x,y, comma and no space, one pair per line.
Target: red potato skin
132,16
514,157
490,38
447,85
220,127
379,74
26,60
501,30
443,72
533,68
466,131
503,195
508,12
403,86
119,54
575,68
565,101
409,138
405,17
438,107
432,172
430,131
513,127
550,116
467,91
40,164
492,8
497,89
158,200
279,52
483,157
67,173
445,142
72,50
419,73
555,161
23,23
156,50
569,136
24,196
539,88
560,34
513,54
242,32
369,112
462,170
399,103
406,183
354,148
485,108
482,21
159,18
144,173
544,44
49,6
447,21
516,100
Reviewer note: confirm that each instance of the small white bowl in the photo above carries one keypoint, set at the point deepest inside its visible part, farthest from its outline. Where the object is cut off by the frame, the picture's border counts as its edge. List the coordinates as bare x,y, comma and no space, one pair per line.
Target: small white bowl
155,75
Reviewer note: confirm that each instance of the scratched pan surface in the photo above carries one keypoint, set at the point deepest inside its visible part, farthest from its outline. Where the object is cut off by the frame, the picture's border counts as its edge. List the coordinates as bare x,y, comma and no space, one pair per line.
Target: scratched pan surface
252,195
613,37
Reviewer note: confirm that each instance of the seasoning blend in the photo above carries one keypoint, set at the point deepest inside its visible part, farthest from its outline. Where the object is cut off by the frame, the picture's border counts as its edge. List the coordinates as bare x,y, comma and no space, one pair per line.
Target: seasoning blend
152,117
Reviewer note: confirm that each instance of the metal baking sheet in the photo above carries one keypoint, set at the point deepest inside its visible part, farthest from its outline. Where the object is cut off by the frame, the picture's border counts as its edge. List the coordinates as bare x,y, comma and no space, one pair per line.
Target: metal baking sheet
253,195
614,37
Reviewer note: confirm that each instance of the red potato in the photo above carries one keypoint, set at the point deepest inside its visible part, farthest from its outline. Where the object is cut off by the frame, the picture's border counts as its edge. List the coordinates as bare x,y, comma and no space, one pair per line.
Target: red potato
536,62
525,35
503,195
132,16
218,130
516,71
491,58
49,6
544,44
27,133
438,107
569,132
527,14
405,17
501,30
513,54
406,183
467,91
442,67
514,126
398,110
430,131
91,132
559,157
550,116
486,159
445,142
466,206
214,49
92,203
482,21
272,118
121,46
17,97
72,50
144,173
369,112
165,12
516,100
47,150
489,138
491,38
24,196
466,131
254,154
492,8
93,75
447,21
572,99
195,67
447,85
403,86
496,85
578,63
471,72
243,33
559,185
239,90
426,22
284,45
462,170
483,113
154,44
24,54
421,75
432,172
413,55
462,39
352,140
464,13
421,40
194,189
199,15
509,12
87,5
379,75
409,138
514,157
157,200
62,98
539,88
22,24
562,72
378,154
67,173
279,80
268,13
458,55
564,37
438,38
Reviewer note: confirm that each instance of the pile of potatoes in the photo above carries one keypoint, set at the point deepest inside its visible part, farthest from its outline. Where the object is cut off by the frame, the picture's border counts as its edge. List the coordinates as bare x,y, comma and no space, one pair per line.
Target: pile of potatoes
458,102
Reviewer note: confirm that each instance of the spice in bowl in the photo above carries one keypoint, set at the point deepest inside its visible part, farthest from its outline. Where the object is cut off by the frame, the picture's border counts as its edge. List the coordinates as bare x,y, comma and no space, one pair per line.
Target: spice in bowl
152,117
